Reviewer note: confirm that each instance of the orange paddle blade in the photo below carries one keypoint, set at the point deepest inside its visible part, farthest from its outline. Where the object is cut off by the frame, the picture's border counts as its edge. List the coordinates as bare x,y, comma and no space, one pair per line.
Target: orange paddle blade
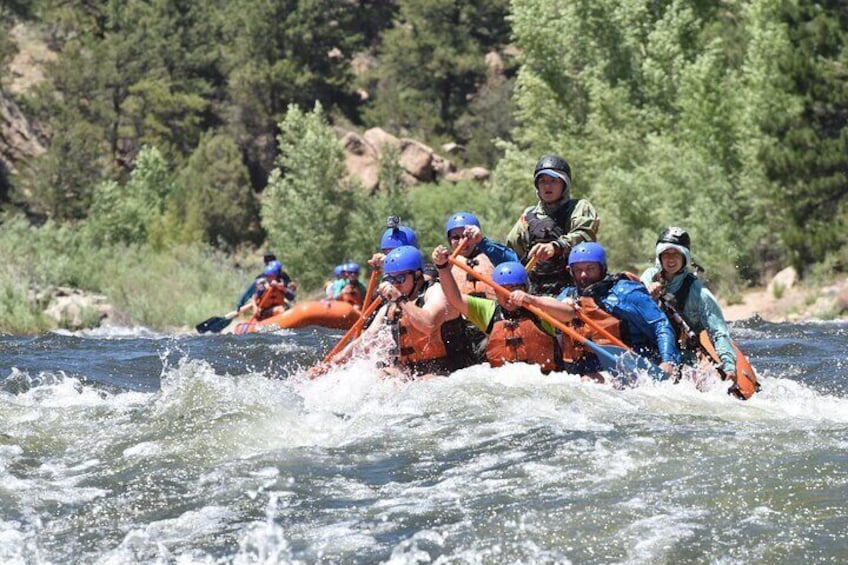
746,378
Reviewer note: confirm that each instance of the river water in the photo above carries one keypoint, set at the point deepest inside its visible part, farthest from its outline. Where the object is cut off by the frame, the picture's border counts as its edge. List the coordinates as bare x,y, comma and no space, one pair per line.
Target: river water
126,446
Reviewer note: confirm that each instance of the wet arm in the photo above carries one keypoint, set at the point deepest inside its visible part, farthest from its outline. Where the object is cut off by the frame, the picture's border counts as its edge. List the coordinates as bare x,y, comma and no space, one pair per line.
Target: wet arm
717,329
450,289
561,310
435,311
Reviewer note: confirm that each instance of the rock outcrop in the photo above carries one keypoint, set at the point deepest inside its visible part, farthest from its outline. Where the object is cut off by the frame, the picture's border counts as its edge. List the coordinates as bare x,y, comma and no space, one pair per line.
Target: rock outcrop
419,163
19,141
72,308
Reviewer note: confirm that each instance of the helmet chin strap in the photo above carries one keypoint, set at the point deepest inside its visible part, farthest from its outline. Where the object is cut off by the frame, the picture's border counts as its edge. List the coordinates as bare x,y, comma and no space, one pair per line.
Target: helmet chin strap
417,285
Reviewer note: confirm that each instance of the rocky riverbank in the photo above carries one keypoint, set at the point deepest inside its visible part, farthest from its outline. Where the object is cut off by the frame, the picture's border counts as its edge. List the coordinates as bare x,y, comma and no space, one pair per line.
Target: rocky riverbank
786,299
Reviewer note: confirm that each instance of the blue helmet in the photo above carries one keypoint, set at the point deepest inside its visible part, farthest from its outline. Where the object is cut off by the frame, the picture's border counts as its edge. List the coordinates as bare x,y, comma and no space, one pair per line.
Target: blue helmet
588,252
461,220
338,270
395,237
274,268
403,259
351,267
510,272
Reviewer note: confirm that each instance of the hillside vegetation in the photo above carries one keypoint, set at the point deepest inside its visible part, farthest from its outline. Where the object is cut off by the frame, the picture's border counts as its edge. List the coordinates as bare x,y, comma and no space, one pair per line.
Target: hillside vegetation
179,132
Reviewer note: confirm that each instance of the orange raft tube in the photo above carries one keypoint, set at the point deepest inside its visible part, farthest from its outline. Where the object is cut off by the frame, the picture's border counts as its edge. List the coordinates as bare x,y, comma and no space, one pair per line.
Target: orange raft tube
746,379
334,314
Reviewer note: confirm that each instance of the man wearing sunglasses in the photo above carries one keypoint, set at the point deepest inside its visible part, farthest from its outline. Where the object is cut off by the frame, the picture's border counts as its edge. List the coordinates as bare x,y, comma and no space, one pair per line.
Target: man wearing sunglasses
478,252
429,334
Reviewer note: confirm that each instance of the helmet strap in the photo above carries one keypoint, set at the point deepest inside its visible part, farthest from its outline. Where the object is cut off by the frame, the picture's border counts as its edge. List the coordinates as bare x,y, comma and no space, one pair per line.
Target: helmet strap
417,285
554,206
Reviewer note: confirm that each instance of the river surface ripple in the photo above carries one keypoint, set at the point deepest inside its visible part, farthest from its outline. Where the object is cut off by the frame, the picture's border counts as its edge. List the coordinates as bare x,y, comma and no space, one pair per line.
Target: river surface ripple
126,446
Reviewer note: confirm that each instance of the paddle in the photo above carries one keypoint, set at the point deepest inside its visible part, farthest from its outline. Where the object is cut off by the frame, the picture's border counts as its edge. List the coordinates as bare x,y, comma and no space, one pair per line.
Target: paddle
459,247
369,292
354,329
372,284
215,324
612,357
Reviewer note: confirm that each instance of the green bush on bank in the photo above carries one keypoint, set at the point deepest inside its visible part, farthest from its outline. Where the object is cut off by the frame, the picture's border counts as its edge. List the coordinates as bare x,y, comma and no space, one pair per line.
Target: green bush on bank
175,287
17,314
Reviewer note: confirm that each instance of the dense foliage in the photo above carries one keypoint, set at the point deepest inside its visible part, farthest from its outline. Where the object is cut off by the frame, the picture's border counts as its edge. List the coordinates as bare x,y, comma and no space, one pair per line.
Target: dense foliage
173,123
726,118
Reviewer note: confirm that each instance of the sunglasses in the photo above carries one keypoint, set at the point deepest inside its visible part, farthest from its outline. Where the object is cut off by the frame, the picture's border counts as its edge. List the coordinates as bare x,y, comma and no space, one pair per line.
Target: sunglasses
395,279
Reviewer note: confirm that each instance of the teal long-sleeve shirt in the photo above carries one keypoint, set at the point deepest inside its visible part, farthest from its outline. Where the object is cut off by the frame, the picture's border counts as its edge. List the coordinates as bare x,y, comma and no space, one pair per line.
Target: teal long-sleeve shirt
701,312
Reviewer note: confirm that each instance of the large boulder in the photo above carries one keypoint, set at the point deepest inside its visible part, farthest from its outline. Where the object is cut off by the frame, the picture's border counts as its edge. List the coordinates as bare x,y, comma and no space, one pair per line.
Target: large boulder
417,159
361,160
73,308
380,138
782,281
479,174
418,162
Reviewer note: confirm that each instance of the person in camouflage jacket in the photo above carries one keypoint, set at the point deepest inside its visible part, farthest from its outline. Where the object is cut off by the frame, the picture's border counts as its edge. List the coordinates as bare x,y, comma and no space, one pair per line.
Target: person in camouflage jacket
550,229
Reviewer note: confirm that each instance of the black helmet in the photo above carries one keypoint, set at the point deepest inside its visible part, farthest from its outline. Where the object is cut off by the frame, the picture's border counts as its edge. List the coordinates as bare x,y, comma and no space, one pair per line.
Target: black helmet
675,236
553,164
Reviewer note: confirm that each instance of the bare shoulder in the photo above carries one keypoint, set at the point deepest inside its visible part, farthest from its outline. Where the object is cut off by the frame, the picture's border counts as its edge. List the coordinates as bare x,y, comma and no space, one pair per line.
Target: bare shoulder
436,302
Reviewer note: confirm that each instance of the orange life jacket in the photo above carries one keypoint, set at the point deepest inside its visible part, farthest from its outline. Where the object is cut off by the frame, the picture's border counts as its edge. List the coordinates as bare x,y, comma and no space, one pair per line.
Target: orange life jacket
273,297
521,339
447,349
470,285
416,346
572,350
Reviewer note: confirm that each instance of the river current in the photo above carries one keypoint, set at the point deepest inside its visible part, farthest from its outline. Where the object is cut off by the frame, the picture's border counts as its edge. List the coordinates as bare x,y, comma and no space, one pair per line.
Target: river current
126,446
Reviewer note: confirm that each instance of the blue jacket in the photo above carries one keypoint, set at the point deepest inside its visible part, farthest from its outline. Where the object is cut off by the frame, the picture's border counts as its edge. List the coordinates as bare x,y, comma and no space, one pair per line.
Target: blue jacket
247,294
496,252
649,329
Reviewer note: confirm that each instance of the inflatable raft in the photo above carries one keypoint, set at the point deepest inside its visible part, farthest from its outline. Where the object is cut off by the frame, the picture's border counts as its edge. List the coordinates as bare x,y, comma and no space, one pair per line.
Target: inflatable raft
747,382
328,313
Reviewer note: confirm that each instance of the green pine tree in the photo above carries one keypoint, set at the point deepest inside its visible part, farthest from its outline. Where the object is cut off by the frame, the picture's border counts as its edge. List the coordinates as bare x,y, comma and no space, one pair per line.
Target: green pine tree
304,206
